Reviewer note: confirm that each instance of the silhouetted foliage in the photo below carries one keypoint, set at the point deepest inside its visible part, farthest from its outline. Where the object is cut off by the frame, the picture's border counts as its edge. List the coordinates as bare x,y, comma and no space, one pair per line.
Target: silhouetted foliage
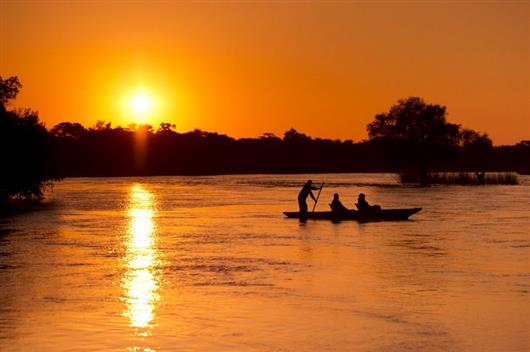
415,121
68,130
476,148
416,137
411,135
25,148
9,89
466,178
141,150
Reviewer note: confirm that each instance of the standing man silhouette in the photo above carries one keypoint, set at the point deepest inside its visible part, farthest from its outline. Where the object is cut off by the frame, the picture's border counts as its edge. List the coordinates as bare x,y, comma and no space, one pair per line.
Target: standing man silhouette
302,196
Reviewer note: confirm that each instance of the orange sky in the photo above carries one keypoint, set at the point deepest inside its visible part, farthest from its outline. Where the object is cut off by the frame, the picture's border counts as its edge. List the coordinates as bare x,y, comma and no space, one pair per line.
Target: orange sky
248,68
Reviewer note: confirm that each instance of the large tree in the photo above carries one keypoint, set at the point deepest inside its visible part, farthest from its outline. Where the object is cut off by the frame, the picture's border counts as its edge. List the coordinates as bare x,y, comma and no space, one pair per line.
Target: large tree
414,120
416,133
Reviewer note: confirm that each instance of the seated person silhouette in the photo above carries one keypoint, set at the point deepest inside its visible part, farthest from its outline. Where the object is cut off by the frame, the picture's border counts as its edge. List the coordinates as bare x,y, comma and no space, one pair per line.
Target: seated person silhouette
362,204
336,205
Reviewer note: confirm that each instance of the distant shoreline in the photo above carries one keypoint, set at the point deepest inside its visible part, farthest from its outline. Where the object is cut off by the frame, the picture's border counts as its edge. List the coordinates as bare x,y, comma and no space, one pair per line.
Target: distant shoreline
280,173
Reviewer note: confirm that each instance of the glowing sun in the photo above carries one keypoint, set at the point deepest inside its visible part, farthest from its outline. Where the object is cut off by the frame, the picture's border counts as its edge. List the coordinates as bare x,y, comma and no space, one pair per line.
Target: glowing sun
140,104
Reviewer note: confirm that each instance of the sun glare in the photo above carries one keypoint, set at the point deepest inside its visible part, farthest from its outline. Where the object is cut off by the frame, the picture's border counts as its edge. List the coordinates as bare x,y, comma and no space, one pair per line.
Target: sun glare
140,104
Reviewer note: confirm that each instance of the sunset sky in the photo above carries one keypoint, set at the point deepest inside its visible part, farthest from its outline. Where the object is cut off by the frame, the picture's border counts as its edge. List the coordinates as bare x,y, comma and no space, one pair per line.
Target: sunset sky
247,68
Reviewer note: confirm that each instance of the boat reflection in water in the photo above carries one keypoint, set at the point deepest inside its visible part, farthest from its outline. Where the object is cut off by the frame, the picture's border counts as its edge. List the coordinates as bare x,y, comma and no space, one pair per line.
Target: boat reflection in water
140,281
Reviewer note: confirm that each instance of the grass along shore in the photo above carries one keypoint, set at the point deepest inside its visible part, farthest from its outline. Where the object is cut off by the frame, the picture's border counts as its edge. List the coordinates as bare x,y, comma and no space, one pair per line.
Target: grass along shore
467,178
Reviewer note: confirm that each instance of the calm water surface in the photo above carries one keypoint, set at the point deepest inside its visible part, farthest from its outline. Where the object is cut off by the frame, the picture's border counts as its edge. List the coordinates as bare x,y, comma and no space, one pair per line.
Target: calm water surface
211,264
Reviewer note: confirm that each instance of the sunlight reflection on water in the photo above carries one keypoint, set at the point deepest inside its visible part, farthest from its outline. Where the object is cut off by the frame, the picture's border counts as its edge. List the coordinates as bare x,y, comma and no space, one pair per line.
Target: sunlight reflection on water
211,264
140,281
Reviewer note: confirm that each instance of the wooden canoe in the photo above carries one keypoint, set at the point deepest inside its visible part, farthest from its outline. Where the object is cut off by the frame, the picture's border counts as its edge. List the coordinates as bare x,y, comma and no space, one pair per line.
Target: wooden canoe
364,216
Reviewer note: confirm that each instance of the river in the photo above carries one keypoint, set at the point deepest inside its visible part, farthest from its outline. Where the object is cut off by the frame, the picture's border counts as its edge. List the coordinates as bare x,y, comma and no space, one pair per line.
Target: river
211,264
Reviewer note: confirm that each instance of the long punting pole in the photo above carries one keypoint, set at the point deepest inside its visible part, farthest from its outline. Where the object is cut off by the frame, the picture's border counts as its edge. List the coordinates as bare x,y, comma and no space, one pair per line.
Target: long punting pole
318,195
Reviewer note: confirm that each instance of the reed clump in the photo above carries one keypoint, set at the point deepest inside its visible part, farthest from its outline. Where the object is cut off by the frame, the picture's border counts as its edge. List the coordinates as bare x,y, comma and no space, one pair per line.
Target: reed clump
466,178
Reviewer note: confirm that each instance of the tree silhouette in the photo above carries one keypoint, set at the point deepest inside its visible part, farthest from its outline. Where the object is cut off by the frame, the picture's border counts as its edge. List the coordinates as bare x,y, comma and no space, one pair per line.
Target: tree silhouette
413,120
413,136
68,130
9,88
416,134
113,151
25,148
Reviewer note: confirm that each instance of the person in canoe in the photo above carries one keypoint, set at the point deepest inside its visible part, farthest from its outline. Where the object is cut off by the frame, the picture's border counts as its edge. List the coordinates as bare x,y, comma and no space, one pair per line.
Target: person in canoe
305,192
336,205
362,204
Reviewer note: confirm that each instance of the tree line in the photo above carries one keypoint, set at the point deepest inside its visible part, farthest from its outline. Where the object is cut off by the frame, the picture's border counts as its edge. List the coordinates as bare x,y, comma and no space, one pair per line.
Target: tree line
413,137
